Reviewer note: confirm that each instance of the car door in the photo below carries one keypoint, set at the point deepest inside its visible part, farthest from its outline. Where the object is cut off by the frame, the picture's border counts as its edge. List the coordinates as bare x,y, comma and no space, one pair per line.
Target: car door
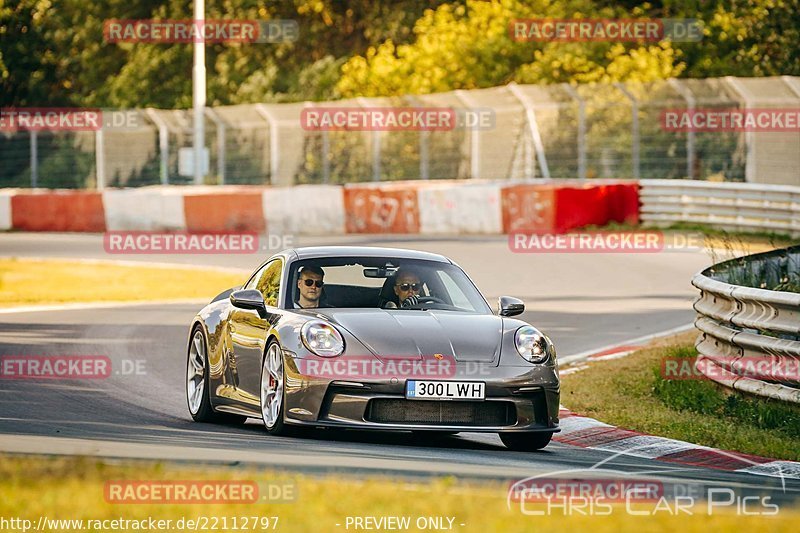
248,330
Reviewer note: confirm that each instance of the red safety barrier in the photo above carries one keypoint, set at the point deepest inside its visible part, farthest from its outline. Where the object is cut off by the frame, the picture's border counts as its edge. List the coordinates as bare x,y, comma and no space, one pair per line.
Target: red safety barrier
232,211
623,203
58,211
595,205
385,209
528,209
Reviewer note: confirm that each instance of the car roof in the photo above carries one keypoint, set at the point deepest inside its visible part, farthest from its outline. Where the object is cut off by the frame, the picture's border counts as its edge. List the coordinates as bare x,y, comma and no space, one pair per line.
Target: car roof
312,252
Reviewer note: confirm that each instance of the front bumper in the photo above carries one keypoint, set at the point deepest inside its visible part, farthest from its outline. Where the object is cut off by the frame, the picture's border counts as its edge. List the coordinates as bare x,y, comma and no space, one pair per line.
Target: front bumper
518,399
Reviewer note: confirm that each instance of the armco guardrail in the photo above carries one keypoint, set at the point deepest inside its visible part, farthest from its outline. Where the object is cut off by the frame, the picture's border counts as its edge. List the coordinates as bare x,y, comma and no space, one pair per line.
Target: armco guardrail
730,206
740,325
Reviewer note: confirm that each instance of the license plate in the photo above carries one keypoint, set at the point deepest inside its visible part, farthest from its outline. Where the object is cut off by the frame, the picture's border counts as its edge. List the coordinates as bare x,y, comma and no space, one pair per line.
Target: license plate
445,390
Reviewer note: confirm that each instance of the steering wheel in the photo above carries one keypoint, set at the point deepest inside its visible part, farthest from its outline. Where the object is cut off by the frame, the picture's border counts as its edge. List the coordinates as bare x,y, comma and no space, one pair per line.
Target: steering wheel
427,300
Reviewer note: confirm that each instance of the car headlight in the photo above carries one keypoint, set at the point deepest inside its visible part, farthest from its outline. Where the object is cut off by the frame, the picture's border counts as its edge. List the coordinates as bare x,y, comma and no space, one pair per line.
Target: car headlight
531,344
322,339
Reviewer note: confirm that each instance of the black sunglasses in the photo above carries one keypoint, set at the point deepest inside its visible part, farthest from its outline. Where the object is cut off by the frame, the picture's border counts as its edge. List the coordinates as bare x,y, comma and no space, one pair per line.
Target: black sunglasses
310,282
406,286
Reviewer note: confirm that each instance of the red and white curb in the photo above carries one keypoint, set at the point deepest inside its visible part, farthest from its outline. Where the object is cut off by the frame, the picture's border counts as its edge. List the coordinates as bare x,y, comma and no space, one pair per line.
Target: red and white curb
592,434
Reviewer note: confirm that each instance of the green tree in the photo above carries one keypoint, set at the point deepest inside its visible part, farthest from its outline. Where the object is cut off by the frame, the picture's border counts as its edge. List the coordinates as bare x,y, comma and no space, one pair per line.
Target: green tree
465,46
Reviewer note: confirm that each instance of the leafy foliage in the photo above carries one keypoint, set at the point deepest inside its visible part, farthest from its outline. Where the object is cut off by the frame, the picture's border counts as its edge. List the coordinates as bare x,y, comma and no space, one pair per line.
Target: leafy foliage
53,53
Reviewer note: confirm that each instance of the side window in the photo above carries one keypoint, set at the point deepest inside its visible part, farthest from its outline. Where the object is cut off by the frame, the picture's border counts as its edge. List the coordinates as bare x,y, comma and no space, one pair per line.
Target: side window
268,281
257,276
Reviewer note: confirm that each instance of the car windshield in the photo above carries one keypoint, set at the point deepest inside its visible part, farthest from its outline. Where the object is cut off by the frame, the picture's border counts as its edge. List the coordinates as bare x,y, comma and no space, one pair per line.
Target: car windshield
387,283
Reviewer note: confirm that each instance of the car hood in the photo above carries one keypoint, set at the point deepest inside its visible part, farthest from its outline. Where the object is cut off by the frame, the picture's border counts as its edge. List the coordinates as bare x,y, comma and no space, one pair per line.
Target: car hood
421,334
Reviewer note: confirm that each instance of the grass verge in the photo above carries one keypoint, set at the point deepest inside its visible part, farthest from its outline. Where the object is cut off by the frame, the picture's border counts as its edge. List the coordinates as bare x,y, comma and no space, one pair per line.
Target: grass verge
74,489
631,393
32,282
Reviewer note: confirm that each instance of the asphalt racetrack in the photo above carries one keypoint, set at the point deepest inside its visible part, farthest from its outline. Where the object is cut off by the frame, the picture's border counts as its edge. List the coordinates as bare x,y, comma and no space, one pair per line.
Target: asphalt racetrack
582,301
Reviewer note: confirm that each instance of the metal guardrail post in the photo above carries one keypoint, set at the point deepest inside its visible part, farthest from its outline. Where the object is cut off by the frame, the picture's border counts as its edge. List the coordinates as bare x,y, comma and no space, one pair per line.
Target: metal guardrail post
635,145
533,125
581,140
691,142
274,145
163,144
34,137
220,125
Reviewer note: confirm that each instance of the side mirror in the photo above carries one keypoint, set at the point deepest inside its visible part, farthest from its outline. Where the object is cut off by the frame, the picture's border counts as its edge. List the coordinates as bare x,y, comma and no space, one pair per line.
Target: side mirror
509,306
249,299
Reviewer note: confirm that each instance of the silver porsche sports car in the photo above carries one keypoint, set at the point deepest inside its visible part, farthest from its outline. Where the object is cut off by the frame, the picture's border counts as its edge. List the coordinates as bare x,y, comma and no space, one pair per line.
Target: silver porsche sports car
371,338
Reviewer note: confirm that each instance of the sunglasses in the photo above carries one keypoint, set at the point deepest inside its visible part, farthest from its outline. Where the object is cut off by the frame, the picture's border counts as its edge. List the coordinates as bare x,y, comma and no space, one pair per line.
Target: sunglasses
310,282
405,287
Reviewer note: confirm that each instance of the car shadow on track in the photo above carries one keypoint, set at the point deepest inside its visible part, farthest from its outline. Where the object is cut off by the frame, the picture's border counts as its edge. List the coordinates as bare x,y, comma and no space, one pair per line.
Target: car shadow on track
424,439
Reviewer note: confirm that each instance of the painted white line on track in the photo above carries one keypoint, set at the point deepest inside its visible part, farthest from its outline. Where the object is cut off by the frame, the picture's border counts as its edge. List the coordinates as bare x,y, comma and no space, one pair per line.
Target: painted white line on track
582,356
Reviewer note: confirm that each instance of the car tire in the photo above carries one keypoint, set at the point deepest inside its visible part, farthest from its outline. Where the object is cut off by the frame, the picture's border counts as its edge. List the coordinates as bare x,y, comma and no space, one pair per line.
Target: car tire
197,391
525,442
271,390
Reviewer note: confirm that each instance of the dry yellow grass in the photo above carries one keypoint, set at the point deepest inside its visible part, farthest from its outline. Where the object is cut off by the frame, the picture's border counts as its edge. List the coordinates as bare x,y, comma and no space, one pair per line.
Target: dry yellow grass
69,488
32,282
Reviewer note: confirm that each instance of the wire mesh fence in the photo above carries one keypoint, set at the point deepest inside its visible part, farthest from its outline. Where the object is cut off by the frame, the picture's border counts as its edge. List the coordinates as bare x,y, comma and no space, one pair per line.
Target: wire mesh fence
534,131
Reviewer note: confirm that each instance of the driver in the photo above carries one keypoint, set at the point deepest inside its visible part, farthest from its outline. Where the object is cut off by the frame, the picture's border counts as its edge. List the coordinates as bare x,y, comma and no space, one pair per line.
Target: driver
407,286
310,285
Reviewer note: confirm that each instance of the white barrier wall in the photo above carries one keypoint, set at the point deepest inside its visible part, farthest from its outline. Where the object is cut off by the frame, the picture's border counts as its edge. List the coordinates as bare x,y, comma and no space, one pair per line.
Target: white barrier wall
430,208
5,209
146,209
470,208
304,210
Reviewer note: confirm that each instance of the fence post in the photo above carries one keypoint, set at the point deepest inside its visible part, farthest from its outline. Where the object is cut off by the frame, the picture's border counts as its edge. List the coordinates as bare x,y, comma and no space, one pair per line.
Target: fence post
326,151
274,145
533,125
570,90
793,83
220,125
634,129
424,140
749,136
326,157
34,159
474,140
100,159
375,144
424,156
691,103
163,144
